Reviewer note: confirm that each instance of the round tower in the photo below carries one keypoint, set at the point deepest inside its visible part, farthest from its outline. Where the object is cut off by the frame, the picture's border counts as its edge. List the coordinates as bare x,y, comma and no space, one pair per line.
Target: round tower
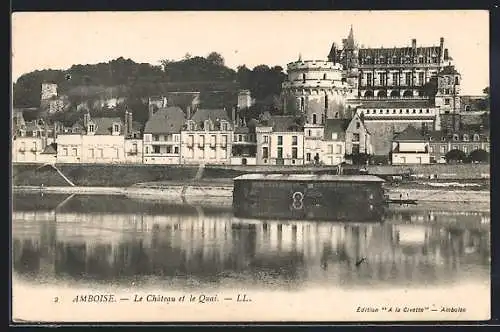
315,88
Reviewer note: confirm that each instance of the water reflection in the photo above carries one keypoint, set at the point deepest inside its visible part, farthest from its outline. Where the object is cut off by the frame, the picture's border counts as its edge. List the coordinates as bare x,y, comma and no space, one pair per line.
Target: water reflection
115,239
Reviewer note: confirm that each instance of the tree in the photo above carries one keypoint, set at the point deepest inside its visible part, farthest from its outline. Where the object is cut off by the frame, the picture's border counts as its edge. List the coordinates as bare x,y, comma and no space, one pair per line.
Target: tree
479,155
455,155
216,59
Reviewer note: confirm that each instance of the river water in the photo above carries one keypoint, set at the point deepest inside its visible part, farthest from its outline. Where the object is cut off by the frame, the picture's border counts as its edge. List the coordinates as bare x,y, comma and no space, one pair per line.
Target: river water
185,261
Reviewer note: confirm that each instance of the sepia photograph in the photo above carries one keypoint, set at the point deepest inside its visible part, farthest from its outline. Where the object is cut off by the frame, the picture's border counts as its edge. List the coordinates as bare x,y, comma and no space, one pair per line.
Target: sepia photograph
250,166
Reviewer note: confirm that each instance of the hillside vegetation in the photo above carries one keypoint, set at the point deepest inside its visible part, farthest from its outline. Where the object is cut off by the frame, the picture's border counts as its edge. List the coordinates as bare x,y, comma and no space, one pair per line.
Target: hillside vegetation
218,85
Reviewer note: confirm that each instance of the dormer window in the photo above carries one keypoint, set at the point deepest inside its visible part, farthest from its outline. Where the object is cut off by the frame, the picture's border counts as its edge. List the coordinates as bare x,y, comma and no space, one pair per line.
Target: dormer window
116,128
334,136
206,125
455,137
223,125
476,137
91,128
466,138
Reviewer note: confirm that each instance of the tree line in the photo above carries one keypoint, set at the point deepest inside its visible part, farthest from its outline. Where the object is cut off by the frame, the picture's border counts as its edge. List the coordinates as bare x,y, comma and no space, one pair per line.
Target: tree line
128,79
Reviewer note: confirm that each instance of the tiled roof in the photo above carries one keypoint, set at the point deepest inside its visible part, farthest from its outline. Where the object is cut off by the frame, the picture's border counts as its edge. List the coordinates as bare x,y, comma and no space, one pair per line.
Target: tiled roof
335,126
50,149
104,126
203,114
409,134
283,123
167,120
448,136
448,70
398,103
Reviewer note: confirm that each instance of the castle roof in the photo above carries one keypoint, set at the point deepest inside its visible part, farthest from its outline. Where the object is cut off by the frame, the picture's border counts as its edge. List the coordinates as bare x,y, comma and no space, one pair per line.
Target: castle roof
398,103
399,52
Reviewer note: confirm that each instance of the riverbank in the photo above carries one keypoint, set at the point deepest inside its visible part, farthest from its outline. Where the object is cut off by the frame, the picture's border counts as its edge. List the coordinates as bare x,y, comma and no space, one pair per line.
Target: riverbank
109,175
224,190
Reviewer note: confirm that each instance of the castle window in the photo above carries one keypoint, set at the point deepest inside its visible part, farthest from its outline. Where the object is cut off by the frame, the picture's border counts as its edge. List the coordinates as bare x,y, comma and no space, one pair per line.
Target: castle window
381,111
358,125
427,111
309,132
476,137
414,112
387,111
421,59
314,120
420,111
455,137
302,102
407,111
91,128
303,78
326,101
466,138
116,128
400,111
367,112
447,101
393,111
456,80
324,76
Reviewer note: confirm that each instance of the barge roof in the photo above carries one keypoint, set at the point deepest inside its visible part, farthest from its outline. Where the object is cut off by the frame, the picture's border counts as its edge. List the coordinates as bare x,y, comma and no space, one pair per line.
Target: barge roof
309,177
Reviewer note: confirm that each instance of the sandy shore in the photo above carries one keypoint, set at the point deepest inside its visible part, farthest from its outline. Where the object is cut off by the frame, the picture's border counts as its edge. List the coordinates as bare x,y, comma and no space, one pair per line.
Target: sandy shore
226,190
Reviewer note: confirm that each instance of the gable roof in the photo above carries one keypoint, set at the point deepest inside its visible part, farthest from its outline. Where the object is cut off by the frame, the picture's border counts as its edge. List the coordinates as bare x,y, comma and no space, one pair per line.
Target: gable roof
168,120
203,114
283,123
410,134
335,126
104,126
50,149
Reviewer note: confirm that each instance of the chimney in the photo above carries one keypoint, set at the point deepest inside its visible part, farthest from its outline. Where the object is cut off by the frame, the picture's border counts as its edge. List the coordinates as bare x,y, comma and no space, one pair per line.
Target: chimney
233,117
446,54
130,122
414,44
151,110
188,112
86,119
125,129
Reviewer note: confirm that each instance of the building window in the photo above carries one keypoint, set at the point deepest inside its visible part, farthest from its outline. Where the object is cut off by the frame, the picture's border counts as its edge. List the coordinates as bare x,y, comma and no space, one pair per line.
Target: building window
265,152
294,153
407,111
91,128
239,138
176,149
455,137
101,153
427,111
324,76
355,137
330,149
266,138
75,152
156,138
156,149
421,78
280,140
326,102
420,111
408,79
339,149
369,79
466,138
358,125
334,136
447,101
91,153
303,78
308,157
394,79
465,149
134,147
147,149
169,149
314,118
280,153
476,137
387,111
294,140
414,112
431,149
309,132
116,128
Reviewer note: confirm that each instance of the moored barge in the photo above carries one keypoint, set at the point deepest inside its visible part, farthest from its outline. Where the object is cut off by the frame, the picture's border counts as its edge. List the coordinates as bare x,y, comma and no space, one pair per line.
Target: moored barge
309,197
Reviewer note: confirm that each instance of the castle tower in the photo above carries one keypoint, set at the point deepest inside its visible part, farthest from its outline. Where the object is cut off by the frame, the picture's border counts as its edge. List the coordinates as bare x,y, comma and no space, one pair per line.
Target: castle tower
315,89
447,98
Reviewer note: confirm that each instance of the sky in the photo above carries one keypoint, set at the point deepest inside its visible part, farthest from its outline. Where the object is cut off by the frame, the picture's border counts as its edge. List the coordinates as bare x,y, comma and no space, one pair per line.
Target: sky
60,39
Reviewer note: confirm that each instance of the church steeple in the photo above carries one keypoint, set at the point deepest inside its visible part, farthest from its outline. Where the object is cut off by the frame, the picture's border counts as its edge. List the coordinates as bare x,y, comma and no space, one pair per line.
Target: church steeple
350,39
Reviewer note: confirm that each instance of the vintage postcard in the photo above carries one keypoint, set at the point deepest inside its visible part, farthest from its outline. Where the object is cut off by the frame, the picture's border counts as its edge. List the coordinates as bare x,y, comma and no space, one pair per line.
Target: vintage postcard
250,166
